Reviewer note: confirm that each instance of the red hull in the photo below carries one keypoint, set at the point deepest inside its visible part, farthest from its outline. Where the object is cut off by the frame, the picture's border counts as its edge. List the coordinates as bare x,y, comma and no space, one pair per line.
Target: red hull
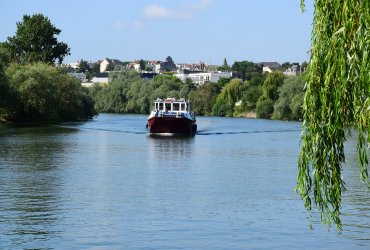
171,125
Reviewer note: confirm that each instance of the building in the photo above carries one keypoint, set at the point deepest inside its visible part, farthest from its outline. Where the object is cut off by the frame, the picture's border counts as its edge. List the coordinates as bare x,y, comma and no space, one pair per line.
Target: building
270,66
109,63
100,78
294,70
200,78
79,76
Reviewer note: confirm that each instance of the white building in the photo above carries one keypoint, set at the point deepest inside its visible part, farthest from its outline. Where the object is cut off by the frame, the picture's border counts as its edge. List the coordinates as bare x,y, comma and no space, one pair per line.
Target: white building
79,76
200,78
106,62
270,66
100,78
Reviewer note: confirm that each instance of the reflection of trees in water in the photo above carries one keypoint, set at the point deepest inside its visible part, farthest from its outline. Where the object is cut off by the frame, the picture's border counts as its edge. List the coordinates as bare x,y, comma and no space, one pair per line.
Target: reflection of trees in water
30,181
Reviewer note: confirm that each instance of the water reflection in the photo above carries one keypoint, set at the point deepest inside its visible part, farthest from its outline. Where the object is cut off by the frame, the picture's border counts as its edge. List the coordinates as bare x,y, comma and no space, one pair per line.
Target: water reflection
170,148
29,182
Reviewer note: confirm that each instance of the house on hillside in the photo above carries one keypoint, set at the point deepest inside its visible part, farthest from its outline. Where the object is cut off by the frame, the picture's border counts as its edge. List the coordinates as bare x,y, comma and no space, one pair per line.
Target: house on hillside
201,66
100,78
270,66
109,63
200,78
294,70
79,76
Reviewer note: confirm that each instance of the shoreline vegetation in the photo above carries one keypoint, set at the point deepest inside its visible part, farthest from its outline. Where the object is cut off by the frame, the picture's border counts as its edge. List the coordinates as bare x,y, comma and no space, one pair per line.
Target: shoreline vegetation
35,88
260,95
40,92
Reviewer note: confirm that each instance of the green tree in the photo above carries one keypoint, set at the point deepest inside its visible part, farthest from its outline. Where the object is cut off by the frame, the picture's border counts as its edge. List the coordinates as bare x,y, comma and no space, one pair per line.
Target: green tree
169,59
204,98
271,85
337,98
264,107
223,81
286,65
245,69
225,66
46,93
142,64
83,67
231,93
35,41
250,97
253,91
270,94
304,66
8,97
289,104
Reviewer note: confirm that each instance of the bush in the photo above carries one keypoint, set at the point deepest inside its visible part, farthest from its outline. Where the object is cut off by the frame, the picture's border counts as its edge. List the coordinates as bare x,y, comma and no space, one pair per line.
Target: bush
264,108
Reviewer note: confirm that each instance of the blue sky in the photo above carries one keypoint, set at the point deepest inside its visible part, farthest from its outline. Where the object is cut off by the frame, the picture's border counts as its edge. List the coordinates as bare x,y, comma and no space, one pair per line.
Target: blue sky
188,31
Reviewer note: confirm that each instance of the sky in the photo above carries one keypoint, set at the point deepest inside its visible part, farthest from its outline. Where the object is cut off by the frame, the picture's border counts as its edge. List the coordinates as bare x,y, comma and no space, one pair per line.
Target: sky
187,30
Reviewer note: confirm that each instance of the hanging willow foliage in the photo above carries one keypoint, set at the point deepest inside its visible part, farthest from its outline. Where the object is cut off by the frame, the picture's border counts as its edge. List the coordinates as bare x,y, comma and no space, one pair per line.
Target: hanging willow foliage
337,98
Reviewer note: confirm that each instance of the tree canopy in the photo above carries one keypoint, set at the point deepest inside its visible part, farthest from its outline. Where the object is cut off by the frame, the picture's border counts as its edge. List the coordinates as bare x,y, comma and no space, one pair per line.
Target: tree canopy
337,98
35,41
245,69
41,92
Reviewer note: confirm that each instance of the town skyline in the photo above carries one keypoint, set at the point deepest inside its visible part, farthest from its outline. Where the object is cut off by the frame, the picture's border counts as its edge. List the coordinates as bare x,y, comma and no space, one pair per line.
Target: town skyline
188,31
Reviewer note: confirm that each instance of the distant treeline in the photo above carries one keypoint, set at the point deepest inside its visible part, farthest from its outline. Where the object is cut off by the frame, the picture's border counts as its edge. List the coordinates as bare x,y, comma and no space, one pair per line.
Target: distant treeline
268,95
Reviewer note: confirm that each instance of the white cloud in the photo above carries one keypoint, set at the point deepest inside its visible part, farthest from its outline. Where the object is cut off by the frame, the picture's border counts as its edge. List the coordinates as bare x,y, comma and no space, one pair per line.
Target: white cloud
118,25
157,11
180,11
200,5
137,25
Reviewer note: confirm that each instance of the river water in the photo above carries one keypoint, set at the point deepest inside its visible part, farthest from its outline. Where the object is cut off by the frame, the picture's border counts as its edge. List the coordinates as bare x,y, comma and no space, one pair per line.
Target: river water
107,184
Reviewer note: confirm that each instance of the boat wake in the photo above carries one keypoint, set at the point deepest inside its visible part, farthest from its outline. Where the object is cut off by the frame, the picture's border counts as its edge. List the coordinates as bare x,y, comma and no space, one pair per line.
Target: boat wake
205,132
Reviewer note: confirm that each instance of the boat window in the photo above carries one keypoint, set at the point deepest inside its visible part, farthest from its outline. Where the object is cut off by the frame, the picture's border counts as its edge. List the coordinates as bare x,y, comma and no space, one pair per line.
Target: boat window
176,106
168,106
156,106
182,106
161,106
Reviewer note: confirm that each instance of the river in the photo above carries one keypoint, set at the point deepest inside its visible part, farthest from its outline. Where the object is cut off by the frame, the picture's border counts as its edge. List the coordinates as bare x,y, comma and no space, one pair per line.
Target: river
108,184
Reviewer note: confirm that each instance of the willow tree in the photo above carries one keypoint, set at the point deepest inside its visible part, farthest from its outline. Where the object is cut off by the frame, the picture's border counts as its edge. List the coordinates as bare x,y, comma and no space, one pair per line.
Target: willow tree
336,99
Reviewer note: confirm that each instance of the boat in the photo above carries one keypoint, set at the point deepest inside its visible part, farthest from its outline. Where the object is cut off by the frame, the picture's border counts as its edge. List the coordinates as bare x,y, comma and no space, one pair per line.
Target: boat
172,116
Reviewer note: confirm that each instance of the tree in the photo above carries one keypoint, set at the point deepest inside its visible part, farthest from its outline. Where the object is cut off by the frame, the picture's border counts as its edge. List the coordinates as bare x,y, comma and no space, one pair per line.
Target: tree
8,98
83,67
270,94
286,65
223,81
304,66
264,108
245,69
47,93
289,104
169,59
225,66
337,98
142,64
35,41
271,85
231,93
204,98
